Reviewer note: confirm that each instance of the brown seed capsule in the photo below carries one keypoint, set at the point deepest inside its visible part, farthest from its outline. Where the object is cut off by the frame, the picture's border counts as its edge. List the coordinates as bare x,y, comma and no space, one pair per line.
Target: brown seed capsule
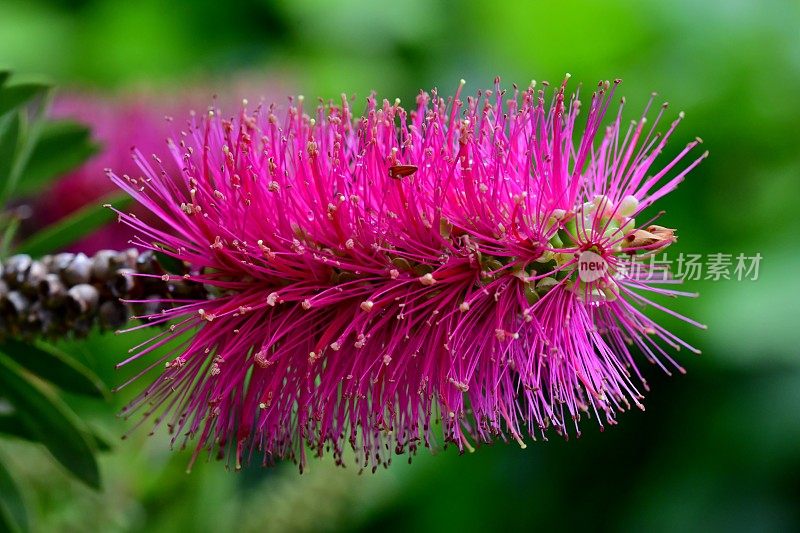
61,261
47,261
112,314
104,264
16,303
147,263
33,317
50,322
36,273
65,294
123,283
52,290
16,268
79,270
82,299
127,258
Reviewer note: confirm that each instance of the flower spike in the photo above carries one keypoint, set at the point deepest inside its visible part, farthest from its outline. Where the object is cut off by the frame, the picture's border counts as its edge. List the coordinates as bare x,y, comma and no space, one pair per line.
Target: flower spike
466,263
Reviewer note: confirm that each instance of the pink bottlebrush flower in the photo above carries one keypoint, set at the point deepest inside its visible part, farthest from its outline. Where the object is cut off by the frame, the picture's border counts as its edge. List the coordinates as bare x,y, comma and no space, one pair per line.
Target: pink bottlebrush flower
378,275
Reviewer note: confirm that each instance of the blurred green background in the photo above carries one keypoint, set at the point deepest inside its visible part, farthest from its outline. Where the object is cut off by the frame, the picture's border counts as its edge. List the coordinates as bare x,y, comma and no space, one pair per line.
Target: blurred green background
717,449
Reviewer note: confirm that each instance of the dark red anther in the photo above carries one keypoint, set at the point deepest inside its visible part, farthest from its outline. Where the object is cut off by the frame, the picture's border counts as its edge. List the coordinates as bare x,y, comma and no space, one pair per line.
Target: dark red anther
400,171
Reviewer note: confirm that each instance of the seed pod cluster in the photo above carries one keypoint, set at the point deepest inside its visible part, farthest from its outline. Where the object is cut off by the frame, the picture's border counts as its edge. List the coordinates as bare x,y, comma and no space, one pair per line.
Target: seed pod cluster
66,294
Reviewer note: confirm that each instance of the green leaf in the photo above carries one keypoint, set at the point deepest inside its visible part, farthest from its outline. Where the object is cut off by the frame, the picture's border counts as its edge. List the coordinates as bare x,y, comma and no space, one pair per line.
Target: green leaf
51,364
13,515
4,75
7,238
63,145
14,96
31,120
11,426
10,133
73,227
45,416
100,441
